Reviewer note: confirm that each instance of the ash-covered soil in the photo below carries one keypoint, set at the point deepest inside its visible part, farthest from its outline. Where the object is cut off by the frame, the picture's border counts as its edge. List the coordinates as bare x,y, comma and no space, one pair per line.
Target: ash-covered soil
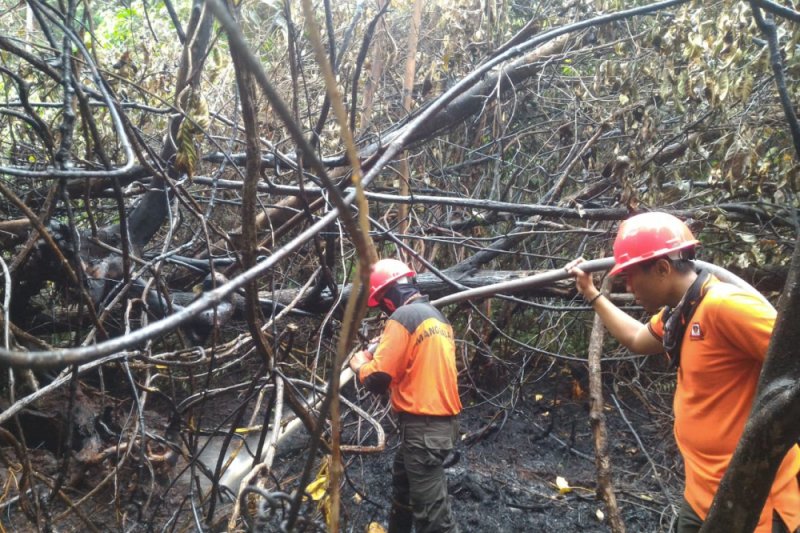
517,440
512,452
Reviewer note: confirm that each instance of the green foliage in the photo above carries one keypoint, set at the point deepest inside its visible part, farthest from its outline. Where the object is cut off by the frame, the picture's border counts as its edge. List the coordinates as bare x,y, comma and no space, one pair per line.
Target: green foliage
696,76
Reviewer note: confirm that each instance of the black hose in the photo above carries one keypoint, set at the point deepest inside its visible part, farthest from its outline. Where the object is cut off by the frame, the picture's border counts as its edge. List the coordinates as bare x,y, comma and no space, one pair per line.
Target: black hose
551,276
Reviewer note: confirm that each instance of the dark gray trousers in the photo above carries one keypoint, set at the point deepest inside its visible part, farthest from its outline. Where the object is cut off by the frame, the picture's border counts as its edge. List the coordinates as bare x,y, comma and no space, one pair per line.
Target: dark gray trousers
419,485
689,522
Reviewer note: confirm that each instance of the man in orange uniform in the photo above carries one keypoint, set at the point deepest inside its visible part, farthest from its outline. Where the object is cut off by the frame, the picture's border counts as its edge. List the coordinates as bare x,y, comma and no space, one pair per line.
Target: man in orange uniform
415,360
717,336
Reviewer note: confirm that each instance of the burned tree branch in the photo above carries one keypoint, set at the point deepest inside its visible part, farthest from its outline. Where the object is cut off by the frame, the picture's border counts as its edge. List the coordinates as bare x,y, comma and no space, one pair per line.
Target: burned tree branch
597,420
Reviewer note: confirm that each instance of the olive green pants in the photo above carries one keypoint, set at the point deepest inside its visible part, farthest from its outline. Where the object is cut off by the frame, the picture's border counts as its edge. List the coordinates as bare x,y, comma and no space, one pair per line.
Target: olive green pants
419,484
689,522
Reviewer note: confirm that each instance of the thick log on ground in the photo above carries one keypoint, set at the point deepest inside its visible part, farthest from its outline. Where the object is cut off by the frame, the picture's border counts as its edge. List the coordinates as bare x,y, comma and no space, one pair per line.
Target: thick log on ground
435,287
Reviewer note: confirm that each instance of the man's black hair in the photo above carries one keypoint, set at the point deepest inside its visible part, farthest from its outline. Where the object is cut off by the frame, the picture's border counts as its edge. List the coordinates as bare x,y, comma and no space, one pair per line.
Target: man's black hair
683,265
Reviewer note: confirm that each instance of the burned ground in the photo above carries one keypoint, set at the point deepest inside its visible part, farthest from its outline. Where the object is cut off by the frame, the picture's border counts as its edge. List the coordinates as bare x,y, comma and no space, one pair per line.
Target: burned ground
515,446
516,440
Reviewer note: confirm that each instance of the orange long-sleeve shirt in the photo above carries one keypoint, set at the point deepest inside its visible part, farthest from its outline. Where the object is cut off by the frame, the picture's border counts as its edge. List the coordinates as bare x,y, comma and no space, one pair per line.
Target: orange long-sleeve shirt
722,353
416,359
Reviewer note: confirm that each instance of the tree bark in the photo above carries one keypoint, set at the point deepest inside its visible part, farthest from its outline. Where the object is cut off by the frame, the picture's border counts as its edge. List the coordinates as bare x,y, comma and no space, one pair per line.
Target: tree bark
249,244
148,216
597,419
375,74
408,89
474,99
772,428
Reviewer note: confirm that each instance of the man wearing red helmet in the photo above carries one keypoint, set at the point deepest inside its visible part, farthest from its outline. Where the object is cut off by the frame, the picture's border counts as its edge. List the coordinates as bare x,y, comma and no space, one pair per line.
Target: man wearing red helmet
415,360
716,336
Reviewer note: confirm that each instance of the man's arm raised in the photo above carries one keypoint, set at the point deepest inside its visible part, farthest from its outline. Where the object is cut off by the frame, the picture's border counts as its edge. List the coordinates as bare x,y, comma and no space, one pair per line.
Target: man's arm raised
631,333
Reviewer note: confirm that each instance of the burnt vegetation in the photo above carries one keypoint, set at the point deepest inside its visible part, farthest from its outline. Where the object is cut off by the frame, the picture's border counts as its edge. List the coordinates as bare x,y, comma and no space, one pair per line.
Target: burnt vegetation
191,193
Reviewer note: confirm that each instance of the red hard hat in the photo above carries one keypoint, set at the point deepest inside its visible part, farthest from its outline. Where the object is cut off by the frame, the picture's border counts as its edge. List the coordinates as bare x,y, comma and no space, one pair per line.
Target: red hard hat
649,235
384,273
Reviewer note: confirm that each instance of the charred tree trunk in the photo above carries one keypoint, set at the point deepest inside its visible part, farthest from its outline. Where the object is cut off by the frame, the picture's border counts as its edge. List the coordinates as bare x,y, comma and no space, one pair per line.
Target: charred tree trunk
146,219
597,419
408,89
772,428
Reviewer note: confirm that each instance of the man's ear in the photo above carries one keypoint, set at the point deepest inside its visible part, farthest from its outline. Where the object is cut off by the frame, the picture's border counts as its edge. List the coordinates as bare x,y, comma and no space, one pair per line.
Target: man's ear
664,266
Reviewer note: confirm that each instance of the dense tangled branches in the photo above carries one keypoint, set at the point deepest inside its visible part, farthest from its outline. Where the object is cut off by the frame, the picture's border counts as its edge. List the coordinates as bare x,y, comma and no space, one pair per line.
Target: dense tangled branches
179,212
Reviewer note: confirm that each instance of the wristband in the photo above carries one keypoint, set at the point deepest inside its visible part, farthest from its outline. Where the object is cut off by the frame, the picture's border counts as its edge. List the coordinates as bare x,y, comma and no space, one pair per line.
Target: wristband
591,302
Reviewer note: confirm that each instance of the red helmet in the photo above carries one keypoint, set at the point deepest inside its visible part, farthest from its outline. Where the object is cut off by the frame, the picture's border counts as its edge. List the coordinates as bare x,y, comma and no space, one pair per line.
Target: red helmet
649,235
384,273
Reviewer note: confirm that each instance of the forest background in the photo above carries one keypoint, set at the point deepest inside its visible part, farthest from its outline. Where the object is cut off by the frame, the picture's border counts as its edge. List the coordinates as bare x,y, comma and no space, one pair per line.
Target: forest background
191,192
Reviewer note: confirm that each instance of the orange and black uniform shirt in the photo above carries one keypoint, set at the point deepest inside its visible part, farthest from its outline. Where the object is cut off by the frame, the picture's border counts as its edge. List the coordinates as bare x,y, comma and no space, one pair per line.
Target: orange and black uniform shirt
416,360
722,354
